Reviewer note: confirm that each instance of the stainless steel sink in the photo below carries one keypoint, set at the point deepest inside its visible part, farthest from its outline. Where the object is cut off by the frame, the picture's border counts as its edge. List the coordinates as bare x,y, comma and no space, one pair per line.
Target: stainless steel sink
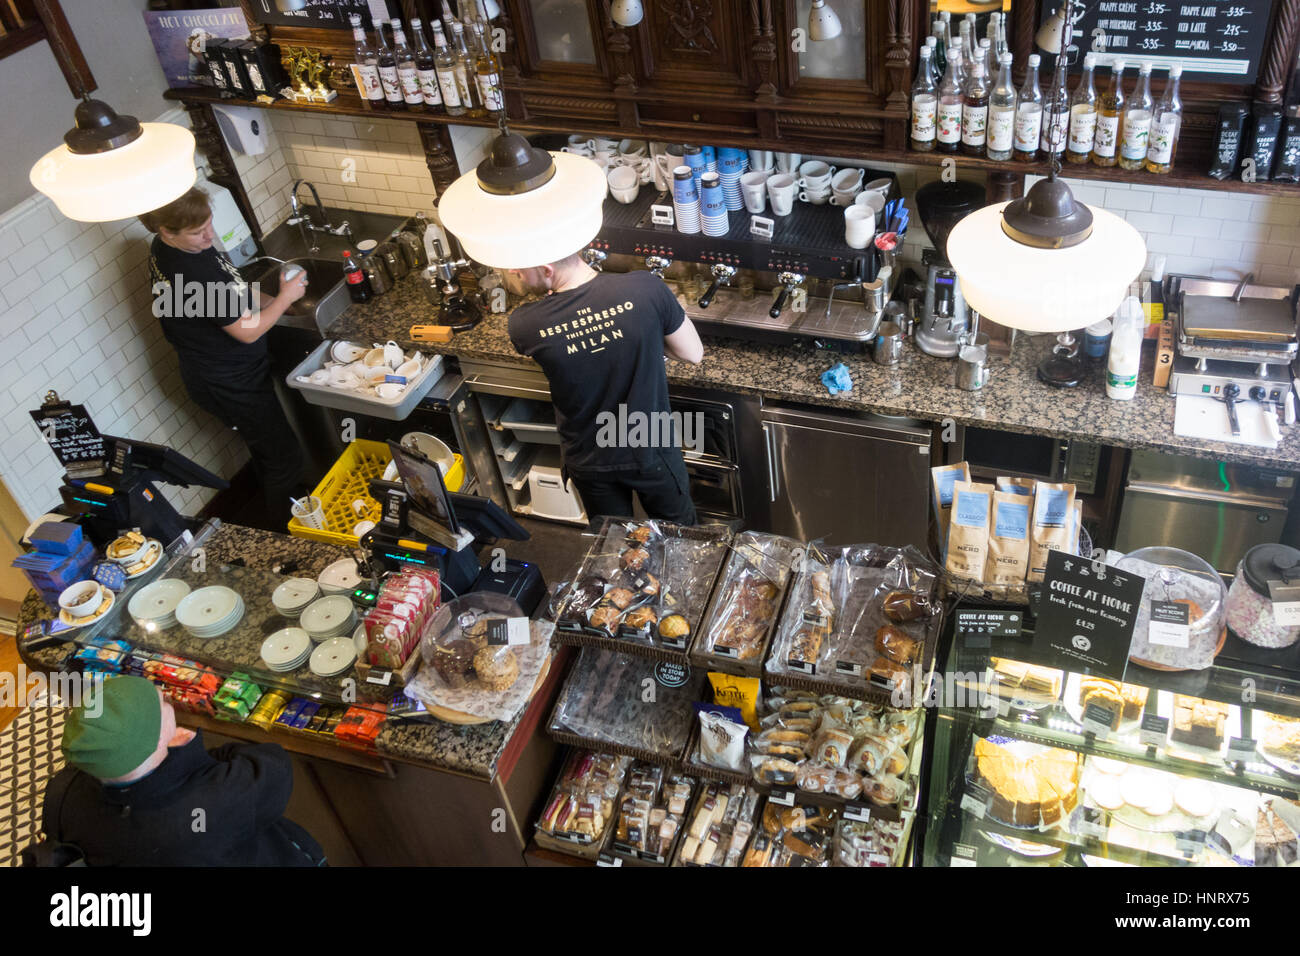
327,294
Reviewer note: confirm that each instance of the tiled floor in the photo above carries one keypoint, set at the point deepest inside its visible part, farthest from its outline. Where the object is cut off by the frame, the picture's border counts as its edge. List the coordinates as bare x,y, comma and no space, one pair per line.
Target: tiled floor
29,757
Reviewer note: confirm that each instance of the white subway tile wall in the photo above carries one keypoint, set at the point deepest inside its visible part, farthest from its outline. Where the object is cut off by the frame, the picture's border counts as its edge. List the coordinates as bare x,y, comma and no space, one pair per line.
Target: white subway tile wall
76,317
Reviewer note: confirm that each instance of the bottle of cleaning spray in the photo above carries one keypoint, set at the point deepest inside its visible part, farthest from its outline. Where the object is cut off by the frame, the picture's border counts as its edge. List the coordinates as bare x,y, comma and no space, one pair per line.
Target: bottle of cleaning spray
1125,350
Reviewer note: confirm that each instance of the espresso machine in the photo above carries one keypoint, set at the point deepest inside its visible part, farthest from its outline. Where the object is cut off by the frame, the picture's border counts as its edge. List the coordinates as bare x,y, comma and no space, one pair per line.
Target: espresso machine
945,319
455,308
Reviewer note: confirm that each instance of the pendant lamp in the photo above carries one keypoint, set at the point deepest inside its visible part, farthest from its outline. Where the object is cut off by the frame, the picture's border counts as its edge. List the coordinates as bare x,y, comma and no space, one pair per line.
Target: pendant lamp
524,207
113,167
1047,262
823,22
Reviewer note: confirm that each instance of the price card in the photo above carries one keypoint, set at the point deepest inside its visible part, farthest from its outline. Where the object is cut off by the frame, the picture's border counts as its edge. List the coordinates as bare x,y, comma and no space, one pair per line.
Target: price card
1190,841
1097,720
1085,620
1285,597
380,677
724,651
1169,624
1287,614
803,667
1090,822
1240,749
512,631
782,796
977,800
848,667
1154,730
856,810
608,859
626,848
978,628
963,854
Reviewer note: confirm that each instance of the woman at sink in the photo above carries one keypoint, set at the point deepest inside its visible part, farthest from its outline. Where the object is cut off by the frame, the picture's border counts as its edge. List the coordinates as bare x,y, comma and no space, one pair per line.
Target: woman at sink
217,323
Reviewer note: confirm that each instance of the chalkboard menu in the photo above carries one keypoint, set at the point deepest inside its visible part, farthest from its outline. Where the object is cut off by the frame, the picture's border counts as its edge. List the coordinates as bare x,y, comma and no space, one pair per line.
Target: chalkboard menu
1216,41
72,435
320,14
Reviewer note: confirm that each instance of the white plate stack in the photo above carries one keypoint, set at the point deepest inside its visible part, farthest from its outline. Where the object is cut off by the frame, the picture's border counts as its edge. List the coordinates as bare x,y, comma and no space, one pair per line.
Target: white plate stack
153,607
211,611
340,577
333,657
293,596
329,617
286,650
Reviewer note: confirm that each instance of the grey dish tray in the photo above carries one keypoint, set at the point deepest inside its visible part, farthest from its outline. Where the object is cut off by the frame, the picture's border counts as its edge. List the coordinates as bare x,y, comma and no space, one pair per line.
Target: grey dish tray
349,401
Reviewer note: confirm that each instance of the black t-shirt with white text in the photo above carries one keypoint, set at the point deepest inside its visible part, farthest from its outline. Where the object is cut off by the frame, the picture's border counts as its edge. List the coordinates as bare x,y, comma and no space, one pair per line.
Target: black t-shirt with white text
601,346
196,295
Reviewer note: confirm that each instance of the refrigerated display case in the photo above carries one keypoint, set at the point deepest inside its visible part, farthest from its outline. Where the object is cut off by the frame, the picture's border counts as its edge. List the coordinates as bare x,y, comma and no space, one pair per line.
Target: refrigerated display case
1035,765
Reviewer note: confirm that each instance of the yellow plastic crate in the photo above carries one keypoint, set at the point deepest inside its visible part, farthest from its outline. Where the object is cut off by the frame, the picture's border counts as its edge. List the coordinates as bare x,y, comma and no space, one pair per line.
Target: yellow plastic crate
349,479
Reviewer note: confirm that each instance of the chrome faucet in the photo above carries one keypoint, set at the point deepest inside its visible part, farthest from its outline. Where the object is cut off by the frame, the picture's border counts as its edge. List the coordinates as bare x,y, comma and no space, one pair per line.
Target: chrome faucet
300,218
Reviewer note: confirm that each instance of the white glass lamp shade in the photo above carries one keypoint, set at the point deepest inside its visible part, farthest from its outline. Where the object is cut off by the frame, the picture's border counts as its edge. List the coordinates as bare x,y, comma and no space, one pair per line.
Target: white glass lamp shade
626,13
823,23
1044,290
155,169
529,229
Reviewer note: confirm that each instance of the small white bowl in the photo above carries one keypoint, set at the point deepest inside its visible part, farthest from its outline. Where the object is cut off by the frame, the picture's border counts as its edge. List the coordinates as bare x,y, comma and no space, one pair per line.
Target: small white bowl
81,599
347,351
389,390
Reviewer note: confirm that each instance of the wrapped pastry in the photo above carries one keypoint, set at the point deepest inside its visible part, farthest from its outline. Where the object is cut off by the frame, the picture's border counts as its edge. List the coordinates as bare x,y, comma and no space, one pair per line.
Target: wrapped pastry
903,606
634,559
870,755
832,747
674,628
605,618
884,790
620,598
886,672
896,645
773,771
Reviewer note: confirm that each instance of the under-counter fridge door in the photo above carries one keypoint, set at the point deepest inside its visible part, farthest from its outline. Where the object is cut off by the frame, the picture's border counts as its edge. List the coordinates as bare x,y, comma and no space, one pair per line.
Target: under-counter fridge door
845,480
1218,529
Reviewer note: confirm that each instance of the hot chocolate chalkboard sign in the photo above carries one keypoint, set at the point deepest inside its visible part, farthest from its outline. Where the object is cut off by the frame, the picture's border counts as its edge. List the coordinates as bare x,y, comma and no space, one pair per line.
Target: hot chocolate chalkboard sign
1216,41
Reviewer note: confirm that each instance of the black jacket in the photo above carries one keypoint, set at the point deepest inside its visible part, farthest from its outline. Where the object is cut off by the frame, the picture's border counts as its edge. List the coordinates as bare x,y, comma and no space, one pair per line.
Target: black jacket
241,789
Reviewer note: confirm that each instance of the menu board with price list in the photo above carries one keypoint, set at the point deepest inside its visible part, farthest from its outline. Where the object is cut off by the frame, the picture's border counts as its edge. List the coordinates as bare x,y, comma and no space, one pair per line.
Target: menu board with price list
1215,41
321,14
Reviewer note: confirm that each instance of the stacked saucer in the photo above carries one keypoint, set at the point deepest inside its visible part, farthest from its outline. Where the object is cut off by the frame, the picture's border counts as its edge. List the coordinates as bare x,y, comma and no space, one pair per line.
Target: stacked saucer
211,611
286,650
153,607
340,577
329,617
292,596
333,657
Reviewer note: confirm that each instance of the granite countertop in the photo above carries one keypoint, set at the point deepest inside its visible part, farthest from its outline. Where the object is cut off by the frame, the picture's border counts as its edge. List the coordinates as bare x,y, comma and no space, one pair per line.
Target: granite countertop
472,750
921,386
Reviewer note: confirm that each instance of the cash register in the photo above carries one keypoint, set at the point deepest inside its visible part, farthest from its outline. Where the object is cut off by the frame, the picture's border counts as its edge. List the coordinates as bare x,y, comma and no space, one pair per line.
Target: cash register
111,482
424,523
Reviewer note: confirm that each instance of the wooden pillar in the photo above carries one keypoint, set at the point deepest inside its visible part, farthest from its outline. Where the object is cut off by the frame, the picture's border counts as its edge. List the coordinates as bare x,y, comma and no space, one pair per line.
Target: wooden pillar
439,155
208,138
1281,52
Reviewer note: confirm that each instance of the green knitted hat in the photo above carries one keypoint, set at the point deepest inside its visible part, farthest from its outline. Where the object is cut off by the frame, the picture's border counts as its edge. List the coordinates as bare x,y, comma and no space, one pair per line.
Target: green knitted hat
115,729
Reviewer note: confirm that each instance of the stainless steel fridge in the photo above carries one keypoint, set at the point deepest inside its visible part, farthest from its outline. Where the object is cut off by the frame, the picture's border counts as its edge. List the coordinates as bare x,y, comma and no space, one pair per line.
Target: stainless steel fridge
845,477
1217,510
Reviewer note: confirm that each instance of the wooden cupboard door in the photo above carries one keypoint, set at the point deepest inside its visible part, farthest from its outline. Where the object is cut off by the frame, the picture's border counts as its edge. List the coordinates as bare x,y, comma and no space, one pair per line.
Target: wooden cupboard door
700,44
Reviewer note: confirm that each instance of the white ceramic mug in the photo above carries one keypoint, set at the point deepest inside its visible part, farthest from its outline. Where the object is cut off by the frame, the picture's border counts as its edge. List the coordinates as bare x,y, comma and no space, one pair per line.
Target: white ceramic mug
319,377
787,162
848,180
873,201
374,357
859,226
753,190
598,143
815,173
81,599
410,368
761,159
632,148
816,197
878,186
781,189
393,354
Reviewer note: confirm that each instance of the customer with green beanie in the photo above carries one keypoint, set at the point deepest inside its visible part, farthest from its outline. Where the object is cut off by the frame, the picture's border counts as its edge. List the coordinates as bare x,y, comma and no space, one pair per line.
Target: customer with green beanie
139,791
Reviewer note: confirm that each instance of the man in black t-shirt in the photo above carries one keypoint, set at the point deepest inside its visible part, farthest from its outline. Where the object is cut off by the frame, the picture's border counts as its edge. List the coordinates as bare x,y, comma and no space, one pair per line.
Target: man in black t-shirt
208,314
601,339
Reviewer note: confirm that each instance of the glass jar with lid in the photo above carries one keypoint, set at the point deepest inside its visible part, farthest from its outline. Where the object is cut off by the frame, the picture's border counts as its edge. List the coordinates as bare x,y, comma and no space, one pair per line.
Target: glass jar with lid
1267,582
1176,577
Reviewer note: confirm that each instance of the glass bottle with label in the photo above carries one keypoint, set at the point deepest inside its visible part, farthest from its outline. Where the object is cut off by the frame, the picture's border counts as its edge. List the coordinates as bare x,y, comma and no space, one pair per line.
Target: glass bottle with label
1029,115
936,74
489,73
925,105
448,18
407,74
963,56
1002,112
941,46
948,135
367,61
444,65
1136,128
1056,122
975,111
1083,115
388,69
466,81
425,69
1165,125
1110,106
